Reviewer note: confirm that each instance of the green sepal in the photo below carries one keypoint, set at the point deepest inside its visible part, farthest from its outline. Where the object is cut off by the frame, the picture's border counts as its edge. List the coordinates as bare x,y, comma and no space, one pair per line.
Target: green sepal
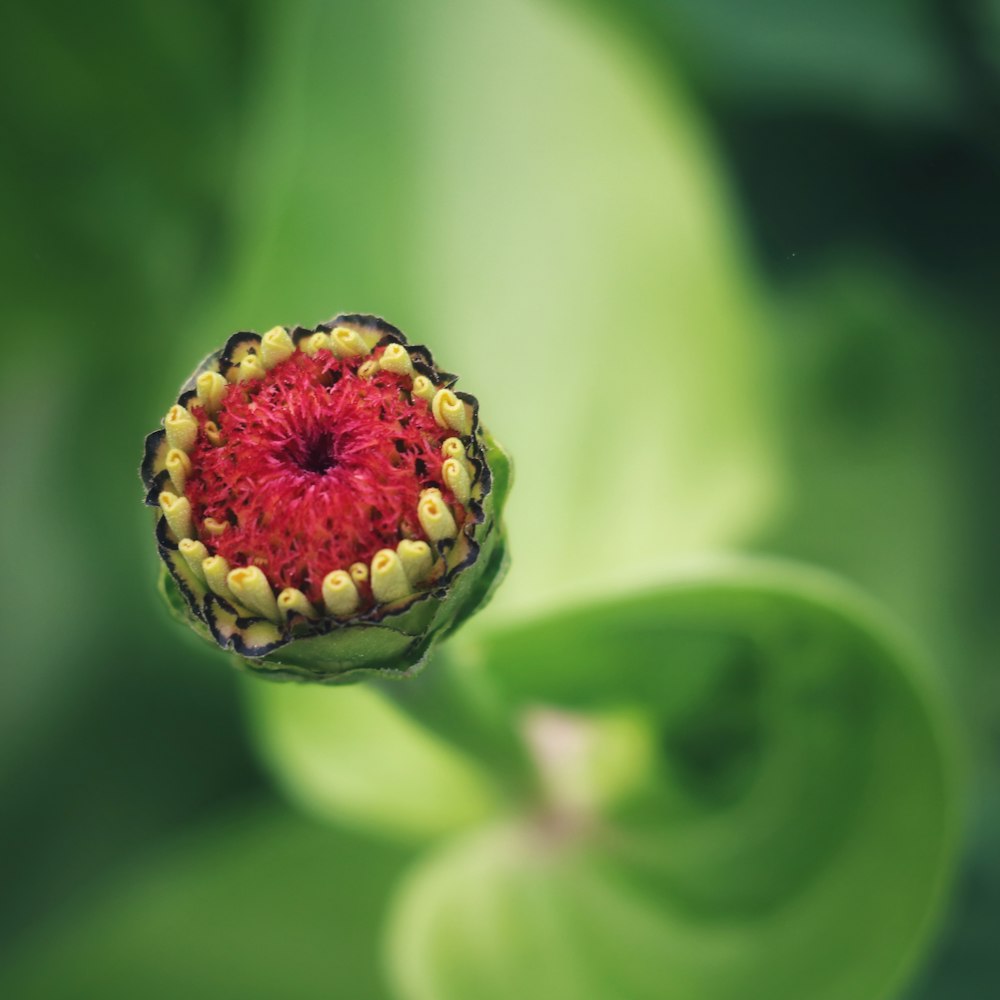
179,610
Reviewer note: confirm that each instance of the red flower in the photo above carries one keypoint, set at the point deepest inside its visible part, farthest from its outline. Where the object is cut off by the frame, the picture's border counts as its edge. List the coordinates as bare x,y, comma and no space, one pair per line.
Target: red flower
317,479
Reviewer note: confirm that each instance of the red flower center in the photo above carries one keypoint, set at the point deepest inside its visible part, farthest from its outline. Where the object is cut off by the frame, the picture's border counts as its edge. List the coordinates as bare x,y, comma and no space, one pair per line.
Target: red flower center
316,468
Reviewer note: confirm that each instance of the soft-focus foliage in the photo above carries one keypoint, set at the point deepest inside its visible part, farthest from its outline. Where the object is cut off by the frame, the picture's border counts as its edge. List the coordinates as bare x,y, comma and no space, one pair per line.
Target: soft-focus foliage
402,779
235,911
555,228
795,762
540,187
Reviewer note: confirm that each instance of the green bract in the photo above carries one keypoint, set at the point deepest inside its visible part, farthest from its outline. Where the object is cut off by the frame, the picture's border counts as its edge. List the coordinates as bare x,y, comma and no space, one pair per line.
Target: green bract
380,460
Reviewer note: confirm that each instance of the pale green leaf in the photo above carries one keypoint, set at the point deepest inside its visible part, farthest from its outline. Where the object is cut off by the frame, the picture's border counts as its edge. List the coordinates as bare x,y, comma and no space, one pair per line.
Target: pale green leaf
348,755
792,826
514,187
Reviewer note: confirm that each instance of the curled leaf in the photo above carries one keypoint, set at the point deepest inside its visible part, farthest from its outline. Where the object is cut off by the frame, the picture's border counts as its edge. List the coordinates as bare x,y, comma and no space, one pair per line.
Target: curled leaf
792,828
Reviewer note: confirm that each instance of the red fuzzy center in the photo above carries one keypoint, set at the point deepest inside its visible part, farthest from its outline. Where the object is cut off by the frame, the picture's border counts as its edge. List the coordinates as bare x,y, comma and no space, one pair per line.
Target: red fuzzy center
318,469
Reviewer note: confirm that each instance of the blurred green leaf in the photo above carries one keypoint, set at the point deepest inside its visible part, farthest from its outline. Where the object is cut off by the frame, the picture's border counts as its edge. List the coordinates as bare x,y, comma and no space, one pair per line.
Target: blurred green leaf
578,225
515,189
794,830
262,905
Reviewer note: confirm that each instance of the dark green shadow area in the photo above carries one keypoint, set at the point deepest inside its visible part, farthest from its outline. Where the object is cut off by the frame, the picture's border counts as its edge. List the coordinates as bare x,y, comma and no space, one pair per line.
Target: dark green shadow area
262,904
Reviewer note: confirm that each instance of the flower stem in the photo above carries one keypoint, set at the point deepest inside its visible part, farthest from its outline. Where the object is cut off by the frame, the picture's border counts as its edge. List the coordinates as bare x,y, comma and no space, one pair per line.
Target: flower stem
456,701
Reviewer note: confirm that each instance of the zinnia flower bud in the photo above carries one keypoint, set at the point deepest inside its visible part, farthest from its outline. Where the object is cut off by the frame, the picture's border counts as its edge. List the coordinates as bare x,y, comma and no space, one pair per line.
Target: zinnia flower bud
325,502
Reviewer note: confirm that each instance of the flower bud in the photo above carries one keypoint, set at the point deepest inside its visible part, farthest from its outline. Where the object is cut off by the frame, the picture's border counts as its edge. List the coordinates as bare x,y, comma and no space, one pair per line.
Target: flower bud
325,503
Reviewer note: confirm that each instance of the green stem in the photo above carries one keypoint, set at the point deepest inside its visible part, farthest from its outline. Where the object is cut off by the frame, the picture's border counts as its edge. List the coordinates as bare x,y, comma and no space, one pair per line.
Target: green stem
456,701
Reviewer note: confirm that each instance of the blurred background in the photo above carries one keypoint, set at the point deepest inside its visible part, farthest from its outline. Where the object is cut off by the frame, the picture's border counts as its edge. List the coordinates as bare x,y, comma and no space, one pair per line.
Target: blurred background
774,224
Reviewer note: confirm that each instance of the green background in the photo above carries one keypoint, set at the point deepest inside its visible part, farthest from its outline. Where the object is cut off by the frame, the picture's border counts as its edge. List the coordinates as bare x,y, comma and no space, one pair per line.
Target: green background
723,276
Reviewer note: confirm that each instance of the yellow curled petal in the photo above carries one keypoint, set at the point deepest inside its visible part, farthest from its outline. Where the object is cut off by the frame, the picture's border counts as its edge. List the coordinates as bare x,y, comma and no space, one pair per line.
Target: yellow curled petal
389,582
194,554
368,369
435,517
423,388
359,572
456,476
211,387
178,467
395,358
294,602
450,411
251,588
317,342
346,343
453,448
250,369
177,511
212,433
181,428
416,558
340,595
275,346
214,527
215,570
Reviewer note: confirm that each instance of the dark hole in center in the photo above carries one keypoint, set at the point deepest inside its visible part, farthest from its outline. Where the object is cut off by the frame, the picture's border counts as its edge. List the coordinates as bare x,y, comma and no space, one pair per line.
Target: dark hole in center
318,455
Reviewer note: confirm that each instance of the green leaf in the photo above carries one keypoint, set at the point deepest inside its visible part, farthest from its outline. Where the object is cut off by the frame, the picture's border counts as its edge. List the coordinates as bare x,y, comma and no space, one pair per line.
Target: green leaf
512,187
346,754
582,267
265,904
791,825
